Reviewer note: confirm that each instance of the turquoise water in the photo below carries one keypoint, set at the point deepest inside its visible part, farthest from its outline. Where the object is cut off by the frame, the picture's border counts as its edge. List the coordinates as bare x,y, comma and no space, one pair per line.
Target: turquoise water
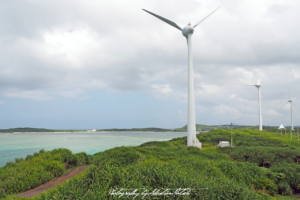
19,145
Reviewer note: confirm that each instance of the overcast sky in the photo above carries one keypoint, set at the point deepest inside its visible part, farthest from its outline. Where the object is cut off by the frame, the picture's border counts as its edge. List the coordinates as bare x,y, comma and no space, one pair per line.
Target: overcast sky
108,64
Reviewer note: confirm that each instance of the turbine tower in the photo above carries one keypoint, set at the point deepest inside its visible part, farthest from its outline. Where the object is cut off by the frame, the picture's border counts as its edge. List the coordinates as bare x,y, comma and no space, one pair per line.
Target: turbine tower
291,103
259,101
187,32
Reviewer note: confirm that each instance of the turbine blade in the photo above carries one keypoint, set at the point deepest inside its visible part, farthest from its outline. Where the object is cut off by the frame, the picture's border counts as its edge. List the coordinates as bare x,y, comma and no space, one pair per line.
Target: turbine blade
294,105
164,19
205,17
285,103
259,79
249,84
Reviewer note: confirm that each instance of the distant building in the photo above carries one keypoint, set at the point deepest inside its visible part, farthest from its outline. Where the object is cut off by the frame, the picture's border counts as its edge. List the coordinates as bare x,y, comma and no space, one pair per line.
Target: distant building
93,130
223,144
281,127
203,131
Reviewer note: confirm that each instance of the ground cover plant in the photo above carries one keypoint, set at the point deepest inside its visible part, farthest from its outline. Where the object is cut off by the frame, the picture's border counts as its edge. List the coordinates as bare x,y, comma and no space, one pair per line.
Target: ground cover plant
261,165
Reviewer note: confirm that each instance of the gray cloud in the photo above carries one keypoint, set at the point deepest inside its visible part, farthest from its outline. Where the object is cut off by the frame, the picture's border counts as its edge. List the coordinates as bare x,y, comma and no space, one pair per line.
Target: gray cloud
67,47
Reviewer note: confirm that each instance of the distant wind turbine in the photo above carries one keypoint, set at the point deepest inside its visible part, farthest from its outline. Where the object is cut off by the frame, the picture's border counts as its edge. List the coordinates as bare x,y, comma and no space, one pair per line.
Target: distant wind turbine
259,101
187,32
291,103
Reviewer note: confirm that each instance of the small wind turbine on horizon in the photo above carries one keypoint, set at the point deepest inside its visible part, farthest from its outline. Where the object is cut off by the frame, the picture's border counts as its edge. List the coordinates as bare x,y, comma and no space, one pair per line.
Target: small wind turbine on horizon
257,85
291,103
187,32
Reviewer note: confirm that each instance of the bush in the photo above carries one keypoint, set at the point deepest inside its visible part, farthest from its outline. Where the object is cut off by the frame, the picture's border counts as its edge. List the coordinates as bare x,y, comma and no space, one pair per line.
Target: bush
34,170
120,156
266,184
165,167
155,144
292,175
284,188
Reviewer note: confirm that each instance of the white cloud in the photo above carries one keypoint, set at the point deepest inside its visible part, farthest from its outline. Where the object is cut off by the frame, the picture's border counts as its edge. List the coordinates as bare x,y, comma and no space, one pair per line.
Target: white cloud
33,95
74,94
64,48
225,110
161,90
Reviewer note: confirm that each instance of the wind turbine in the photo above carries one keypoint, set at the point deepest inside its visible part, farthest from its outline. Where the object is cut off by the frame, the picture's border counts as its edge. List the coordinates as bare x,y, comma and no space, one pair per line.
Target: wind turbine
259,101
291,103
187,32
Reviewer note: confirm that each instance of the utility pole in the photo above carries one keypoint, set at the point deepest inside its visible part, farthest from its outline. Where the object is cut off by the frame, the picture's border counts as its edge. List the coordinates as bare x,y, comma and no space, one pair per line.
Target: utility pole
285,132
298,133
231,134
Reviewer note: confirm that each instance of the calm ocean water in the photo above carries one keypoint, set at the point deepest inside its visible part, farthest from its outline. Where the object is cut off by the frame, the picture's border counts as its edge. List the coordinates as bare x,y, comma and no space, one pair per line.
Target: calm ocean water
19,145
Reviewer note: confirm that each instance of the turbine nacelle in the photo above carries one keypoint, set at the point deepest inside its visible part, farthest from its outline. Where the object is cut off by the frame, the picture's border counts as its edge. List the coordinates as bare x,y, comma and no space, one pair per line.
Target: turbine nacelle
291,102
187,30
257,85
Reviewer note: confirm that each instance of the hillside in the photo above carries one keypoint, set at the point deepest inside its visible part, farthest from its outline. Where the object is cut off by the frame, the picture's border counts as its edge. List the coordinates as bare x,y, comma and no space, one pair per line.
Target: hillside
262,165
235,127
139,129
25,129
30,130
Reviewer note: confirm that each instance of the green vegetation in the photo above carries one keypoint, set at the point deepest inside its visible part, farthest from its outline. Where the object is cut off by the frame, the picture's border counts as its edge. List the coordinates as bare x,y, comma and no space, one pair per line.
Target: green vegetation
262,165
202,128
36,169
139,129
28,130
234,127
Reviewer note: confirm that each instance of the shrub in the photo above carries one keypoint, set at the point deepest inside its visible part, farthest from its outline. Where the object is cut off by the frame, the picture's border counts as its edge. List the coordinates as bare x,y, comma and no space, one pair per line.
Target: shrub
34,170
156,144
120,156
265,183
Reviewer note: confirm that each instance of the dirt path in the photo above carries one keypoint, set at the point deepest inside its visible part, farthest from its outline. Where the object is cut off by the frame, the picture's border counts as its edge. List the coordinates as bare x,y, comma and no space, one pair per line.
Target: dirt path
52,184
297,195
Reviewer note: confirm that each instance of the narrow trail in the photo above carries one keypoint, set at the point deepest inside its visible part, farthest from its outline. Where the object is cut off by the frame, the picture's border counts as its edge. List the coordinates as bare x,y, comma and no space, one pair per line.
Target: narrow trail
53,183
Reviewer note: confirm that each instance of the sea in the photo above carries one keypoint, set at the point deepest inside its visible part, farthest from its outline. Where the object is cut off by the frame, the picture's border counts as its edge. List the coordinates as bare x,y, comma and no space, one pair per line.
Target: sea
19,145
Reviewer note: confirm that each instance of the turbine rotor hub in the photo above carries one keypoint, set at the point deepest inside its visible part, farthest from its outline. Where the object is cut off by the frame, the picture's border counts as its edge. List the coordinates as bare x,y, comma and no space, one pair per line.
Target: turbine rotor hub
187,30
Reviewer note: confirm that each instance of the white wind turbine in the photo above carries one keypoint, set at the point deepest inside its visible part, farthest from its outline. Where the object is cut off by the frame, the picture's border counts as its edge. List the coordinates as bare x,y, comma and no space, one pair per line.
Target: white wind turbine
291,103
259,101
187,32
